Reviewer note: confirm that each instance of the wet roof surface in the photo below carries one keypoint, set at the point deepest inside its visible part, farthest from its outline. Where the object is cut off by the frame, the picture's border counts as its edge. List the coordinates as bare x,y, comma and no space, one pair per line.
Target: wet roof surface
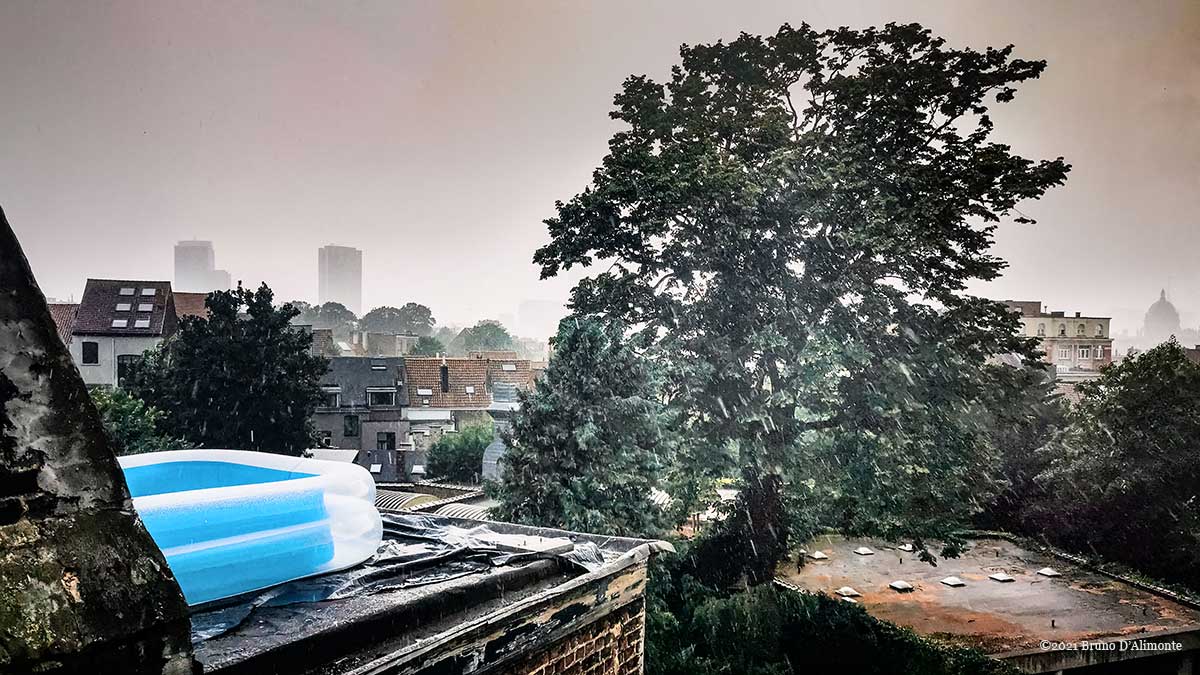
993,616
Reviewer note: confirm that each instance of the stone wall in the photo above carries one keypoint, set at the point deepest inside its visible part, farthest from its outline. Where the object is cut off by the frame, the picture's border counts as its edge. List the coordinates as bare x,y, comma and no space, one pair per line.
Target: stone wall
83,587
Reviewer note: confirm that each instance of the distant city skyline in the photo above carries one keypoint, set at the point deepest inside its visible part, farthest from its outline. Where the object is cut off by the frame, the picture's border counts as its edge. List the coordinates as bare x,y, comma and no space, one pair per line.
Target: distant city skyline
437,137
340,276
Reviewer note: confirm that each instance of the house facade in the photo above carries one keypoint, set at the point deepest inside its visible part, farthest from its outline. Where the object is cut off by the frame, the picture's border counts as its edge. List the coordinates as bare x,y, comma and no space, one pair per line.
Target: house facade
362,410
115,323
1078,346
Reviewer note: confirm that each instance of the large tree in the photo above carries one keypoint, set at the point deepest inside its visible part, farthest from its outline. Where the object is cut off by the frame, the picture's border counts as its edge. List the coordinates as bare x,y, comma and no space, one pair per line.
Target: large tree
427,346
1124,480
243,378
485,335
412,319
587,446
791,221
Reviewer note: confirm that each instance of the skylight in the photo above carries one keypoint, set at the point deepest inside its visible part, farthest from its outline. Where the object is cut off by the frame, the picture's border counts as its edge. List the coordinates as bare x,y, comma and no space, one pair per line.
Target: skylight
148,291
141,323
901,586
470,389
954,582
145,307
120,323
510,367
123,306
127,291
424,392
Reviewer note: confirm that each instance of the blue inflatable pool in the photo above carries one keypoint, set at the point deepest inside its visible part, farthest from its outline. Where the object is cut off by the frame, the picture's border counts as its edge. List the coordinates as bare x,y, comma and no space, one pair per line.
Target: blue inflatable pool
231,521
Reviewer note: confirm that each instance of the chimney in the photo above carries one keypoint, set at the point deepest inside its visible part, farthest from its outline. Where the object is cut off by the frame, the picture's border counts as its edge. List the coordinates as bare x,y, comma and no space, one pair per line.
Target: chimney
1076,315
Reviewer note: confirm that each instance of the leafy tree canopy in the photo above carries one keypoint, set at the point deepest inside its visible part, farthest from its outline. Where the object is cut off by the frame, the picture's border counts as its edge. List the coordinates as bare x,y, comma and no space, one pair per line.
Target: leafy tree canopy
412,319
485,335
458,456
133,426
242,378
790,223
1123,479
428,346
588,444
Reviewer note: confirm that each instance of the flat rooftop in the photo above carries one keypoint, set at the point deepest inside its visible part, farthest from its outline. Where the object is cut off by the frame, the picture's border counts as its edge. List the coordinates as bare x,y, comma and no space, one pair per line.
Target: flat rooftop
434,581
997,618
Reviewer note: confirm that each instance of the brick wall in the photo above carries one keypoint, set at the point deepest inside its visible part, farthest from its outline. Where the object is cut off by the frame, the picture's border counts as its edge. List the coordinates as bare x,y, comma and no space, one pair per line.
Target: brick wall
612,645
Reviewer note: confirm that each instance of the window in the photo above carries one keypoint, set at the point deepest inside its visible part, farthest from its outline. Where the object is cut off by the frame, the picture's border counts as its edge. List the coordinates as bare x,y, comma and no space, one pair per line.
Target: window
1099,330
1080,330
326,438
1041,330
120,323
141,323
470,389
381,398
509,367
145,307
1062,329
127,291
91,353
378,365
123,306
124,363
148,291
1064,353
1085,352
385,440
350,426
331,397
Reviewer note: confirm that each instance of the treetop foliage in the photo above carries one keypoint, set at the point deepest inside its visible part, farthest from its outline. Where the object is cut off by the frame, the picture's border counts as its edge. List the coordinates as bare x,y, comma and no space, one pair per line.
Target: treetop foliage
242,378
789,224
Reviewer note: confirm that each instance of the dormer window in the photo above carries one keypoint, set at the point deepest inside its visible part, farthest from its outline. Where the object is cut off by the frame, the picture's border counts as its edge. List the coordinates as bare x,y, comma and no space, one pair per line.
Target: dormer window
1080,330
1062,329
123,306
381,397
1099,330
148,292
128,291
145,307
120,323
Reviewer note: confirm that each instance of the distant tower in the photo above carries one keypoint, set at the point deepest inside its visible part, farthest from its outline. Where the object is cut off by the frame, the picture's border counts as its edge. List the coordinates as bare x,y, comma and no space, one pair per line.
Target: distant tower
194,268
339,276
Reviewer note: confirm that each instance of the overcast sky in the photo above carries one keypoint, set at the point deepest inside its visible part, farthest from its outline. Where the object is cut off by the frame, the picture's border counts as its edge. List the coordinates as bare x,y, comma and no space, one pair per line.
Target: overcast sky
436,136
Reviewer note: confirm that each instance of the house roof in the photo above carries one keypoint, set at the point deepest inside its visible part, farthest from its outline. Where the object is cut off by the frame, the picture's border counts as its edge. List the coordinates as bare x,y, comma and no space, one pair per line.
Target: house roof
190,304
106,301
998,618
354,375
516,372
487,354
425,375
63,314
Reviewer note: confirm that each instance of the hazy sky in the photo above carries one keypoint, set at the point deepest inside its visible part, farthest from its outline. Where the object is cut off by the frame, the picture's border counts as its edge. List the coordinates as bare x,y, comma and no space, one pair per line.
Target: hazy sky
436,136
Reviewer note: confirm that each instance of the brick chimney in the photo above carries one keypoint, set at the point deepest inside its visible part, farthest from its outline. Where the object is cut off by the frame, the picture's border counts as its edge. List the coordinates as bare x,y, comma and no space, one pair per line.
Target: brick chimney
83,588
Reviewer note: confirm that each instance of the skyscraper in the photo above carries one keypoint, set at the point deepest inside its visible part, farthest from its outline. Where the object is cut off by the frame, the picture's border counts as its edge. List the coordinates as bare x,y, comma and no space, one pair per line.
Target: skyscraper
339,276
194,268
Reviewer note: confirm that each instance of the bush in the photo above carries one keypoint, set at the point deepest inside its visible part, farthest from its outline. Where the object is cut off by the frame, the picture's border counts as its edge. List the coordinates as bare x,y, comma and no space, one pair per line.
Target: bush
131,425
458,457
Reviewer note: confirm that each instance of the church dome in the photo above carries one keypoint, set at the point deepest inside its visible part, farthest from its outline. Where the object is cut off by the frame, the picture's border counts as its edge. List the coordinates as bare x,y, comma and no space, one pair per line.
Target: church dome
1162,319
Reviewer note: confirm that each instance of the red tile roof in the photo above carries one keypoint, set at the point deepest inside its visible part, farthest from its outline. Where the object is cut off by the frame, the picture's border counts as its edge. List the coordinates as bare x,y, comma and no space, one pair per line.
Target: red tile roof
425,373
519,373
63,314
98,308
191,304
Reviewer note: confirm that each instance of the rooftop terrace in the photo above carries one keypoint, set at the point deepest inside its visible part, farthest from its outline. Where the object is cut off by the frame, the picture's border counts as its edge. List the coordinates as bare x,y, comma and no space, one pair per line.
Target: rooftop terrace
1024,620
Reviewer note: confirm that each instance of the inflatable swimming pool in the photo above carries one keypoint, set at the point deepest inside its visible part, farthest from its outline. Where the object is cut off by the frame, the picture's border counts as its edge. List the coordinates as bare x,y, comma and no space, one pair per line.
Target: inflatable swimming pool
232,521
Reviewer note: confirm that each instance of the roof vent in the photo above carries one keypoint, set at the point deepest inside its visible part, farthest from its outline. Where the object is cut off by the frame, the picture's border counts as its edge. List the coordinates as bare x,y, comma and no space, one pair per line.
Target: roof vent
863,550
1002,577
901,586
954,582
847,592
